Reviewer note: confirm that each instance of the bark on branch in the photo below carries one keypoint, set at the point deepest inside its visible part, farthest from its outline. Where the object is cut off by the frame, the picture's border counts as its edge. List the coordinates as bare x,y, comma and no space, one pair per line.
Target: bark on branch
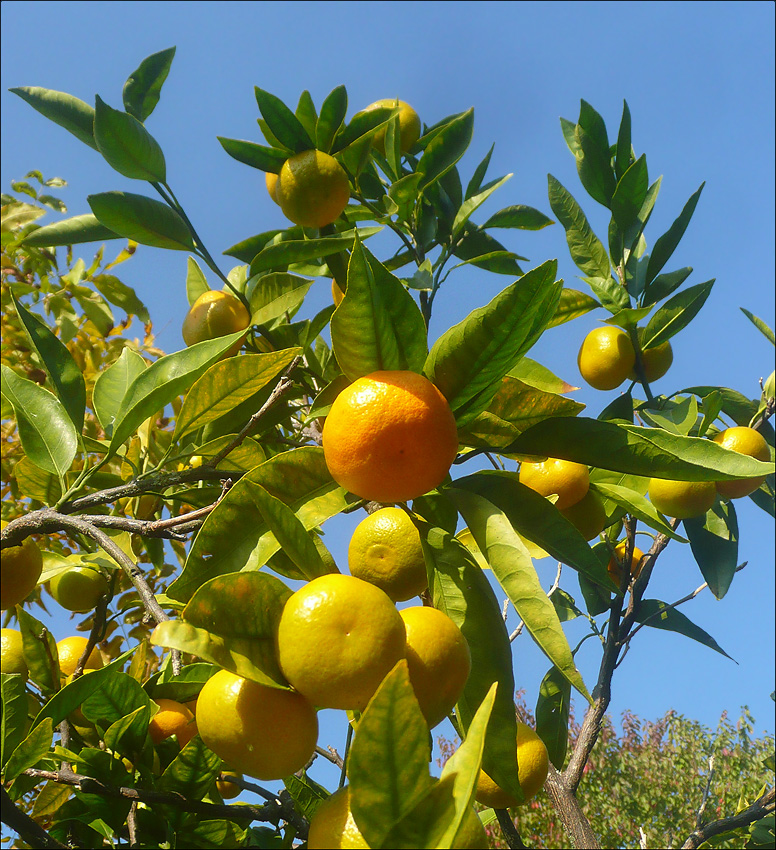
761,807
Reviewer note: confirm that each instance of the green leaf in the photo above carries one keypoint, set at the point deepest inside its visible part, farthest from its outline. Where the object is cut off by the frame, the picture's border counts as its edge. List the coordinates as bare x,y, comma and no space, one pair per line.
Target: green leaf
285,126
333,111
511,564
142,219
157,386
519,216
572,305
305,112
126,145
183,687
483,251
13,719
630,194
306,793
227,384
111,386
654,613
69,112
552,715
714,543
535,375
40,652
679,414
257,156
144,84
760,325
35,483
611,294
479,174
117,696
446,148
121,295
58,362
468,361
71,231
196,282
362,128
296,251
624,149
469,206
666,244
273,295
664,284
191,773
46,431
388,761
587,251
676,314
640,507
378,324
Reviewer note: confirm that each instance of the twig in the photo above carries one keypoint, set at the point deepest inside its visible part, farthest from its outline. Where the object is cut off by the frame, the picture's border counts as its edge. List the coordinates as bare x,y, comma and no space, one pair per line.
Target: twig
762,806
343,770
768,411
21,823
132,824
706,792
521,624
332,755
504,609
96,634
509,830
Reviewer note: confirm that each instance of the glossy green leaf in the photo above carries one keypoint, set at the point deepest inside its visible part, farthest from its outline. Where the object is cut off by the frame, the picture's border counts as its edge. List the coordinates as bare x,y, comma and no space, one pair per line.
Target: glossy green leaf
676,314
630,194
664,284
36,483
657,615
512,565
285,126
714,544
478,176
30,751
446,148
587,251
13,719
192,772
679,414
226,384
535,375
594,168
624,149
519,216
71,231
760,325
183,687
69,112
469,360
378,324
275,294
611,294
637,505
46,431
426,822
58,362
666,244
117,695
572,305
333,111
129,733
126,145
388,761
306,113
257,156
469,206
157,386
196,282
120,295
111,386
552,715
482,250
40,652
361,128
297,251
142,219
306,793
144,84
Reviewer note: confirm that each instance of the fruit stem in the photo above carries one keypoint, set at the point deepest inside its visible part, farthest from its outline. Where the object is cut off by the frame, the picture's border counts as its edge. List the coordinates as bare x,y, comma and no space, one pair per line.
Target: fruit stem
639,364
349,739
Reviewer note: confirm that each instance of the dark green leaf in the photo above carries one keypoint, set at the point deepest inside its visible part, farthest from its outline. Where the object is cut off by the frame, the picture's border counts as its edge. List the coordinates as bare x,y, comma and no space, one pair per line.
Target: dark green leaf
637,505
569,130
519,216
664,284
333,111
13,720
624,149
479,174
676,314
30,751
572,305
587,251
257,156
71,231
275,295
192,772
630,194
296,251
144,84
306,793
612,295
126,145
666,244
285,126
654,613
446,148
482,250
69,112
362,128
248,248
142,219
552,715
760,325
468,207
112,384
121,295
714,543
594,166
305,112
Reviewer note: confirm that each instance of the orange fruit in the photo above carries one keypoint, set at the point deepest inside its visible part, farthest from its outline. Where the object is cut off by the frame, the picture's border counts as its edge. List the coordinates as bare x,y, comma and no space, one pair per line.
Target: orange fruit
532,767
745,441
312,189
215,313
569,480
385,550
606,357
409,125
337,639
70,650
390,437
614,566
22,566
655,361
438,659
336,293
264,732
173,718
588,515
79,589
271,180
682,499
11,655
227,789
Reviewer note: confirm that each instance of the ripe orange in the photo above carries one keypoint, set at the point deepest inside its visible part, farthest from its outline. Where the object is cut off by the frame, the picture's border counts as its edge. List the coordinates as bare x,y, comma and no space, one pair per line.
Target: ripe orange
588,515
11,655
264,732
227,789
390,437
70,649
569,480
606,357
215,313
532,767
438,659
336,293
79,589
173,718
655,361
682,499
22,566
337,639
271,180
385,550
312,189
614,566
409,125
746,441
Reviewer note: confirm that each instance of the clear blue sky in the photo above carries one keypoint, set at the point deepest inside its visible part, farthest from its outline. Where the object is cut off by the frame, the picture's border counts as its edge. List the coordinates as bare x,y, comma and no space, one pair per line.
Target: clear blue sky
699,81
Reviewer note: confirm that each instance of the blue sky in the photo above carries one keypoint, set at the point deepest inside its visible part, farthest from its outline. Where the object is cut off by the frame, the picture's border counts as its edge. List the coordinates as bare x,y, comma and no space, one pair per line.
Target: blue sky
698,78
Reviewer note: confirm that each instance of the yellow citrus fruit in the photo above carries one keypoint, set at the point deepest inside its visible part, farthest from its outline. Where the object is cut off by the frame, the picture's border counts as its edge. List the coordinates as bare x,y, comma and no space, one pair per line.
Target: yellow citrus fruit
569,480
385,550
606,357
532,767
22,566
682,499
79,589
337,639
227,789
312,189
271,180
588,515
11,656
264,732
745,441
655,361
215,313
70,649
438,659
614,563
390,437
173,718
409,124
336,293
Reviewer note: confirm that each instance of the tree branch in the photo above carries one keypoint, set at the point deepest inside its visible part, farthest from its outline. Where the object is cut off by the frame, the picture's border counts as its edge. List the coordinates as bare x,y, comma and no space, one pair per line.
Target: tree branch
20,822
565,803
761,807
509,830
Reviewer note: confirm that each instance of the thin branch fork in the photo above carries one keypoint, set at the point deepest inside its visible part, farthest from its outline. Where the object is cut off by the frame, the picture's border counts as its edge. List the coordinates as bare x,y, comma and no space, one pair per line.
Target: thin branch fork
761,807
30,831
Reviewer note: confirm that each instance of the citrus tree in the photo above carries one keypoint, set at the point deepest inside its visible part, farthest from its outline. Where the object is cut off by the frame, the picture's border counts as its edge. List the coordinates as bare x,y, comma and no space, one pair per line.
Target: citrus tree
183,495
